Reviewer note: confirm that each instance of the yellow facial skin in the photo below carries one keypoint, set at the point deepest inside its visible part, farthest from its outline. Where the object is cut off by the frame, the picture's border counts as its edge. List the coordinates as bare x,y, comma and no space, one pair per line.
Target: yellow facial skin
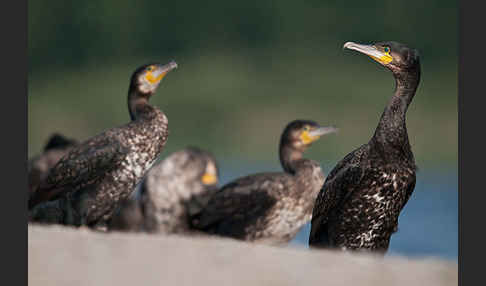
385,59
152,79
209,179
306,138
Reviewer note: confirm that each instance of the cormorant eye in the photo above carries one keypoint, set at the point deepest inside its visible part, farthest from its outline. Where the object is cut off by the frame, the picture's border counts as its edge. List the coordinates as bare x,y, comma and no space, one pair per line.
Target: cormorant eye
387,49
306,128
150,68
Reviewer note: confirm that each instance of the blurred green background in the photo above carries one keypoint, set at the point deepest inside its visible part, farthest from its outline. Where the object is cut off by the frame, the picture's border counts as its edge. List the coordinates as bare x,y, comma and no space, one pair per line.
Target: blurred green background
246,69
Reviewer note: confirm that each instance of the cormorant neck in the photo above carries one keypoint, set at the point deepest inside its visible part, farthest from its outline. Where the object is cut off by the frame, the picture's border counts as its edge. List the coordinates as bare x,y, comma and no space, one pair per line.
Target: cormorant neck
137,103
392,130
406,83
289,157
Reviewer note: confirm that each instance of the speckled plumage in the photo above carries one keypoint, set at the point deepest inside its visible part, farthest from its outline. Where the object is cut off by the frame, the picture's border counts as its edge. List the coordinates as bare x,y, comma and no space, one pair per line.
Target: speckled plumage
359,204
39,166
102,171
169,193
267,207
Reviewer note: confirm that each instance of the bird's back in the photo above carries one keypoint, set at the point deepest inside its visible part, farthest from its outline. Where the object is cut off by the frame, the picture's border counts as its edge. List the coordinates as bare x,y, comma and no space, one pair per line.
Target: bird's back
246,207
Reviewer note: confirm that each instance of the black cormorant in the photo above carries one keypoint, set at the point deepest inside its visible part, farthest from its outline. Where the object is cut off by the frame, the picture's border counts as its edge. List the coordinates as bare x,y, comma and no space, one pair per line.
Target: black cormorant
269,207
39,166
102,171
359,204
171,191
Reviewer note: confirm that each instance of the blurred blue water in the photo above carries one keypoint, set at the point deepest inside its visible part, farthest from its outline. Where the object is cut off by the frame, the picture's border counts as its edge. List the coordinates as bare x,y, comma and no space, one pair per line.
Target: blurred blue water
428,225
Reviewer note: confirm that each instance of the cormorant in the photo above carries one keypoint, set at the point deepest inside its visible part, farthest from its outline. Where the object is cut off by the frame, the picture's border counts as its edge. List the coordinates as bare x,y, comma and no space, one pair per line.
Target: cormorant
102,171
171,191
39,166
359,204
269,207
128,216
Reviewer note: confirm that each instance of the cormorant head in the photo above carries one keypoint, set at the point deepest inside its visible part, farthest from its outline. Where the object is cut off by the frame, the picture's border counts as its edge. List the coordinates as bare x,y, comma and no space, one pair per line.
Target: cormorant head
210,175
146,78
209,170
395,56
302,133
204,163
198,165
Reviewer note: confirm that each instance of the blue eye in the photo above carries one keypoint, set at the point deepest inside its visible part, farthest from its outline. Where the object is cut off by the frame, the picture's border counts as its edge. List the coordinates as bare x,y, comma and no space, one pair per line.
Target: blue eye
387,50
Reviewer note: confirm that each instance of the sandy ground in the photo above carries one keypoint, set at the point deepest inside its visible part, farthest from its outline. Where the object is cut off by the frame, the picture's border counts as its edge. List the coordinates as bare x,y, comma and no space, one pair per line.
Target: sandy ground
66,256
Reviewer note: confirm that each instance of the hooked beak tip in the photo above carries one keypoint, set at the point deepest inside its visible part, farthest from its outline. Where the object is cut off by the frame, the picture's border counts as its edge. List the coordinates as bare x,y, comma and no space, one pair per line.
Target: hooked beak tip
173,65
348,45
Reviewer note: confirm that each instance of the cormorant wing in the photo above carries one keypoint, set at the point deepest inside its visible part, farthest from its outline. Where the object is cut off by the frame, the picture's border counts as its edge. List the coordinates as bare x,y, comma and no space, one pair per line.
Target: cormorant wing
235,204
409,192
196,203
85,163
339,186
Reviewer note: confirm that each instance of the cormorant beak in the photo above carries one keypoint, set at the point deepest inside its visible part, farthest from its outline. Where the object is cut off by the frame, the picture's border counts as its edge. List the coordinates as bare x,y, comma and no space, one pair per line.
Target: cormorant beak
370,50
164,69
314,134
209,179
159,73
322,131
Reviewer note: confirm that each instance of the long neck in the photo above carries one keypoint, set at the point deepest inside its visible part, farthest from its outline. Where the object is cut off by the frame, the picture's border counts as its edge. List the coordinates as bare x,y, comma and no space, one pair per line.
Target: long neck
137,103
392,130
289,157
